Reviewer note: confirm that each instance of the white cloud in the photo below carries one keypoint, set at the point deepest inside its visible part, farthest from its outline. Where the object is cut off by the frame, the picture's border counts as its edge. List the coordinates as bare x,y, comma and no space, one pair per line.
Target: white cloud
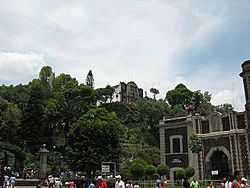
156,43
228,96
15,66
68,16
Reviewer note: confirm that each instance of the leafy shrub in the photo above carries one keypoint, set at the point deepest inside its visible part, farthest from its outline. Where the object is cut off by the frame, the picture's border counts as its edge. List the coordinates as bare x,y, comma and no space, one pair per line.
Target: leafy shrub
150,170
189,171
180,174
162,169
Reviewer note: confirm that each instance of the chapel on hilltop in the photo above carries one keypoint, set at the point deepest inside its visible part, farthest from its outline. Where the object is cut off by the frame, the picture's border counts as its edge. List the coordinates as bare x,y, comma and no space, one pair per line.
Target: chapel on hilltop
127,93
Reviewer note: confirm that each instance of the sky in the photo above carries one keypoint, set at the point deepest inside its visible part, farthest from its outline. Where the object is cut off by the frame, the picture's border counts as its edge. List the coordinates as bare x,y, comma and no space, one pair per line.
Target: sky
155,43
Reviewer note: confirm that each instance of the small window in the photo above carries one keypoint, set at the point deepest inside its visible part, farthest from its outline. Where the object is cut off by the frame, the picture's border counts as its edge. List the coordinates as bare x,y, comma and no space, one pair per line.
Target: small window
176,145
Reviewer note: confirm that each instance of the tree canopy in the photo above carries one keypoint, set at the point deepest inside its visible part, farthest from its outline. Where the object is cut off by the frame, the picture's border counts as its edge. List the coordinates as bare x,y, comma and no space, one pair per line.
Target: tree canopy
195,143
57,110
90,79
94,139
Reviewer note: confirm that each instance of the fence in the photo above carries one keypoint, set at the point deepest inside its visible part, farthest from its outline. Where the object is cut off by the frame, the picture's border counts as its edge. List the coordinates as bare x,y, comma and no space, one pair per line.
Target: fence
174,184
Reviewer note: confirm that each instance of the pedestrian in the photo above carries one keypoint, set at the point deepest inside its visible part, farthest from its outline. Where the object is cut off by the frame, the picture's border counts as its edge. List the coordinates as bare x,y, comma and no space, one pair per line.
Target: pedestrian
210,184
6,181
51,181
237,180
119,183
71,184
136,185
194,183
129,184
162,184
91,185
186,183
100,183
58,183
243,182
223,182
12,181
230,181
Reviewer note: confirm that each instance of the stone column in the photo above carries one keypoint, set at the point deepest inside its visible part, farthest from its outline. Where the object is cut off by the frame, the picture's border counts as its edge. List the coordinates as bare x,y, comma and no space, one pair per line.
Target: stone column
43,153
162,145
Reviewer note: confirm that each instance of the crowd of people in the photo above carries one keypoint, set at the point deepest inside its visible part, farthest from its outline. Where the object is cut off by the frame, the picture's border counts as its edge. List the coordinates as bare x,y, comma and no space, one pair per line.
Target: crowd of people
8,179
100,183
235,181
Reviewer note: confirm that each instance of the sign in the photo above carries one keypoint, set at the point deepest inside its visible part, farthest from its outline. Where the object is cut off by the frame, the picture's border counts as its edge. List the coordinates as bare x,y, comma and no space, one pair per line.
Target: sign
105,168
176,161
214,172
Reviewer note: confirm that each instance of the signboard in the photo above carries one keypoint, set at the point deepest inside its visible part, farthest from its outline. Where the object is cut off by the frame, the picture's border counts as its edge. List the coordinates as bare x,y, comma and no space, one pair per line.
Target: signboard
214,172
105,168
176,161
108,169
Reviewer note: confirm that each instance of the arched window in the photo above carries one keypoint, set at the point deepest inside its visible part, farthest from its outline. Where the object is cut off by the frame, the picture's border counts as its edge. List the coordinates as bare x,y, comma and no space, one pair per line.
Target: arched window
215,122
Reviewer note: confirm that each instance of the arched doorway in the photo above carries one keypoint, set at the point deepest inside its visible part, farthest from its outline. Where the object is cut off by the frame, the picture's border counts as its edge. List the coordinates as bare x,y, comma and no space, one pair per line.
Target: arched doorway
219,165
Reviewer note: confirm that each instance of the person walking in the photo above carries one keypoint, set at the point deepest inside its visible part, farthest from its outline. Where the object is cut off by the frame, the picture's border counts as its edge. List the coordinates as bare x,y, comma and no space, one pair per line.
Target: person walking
237,180
71,184
100,183
186,183
6,181
162,184
58,183
12,181
210,184
119,183
243,182
194,183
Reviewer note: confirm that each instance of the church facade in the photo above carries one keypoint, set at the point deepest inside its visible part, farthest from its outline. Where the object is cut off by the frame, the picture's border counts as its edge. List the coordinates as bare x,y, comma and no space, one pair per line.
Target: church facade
127,93
225,140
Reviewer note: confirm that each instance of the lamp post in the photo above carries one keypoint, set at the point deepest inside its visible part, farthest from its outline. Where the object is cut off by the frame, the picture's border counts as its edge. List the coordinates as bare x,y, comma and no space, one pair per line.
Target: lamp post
52,159
62,165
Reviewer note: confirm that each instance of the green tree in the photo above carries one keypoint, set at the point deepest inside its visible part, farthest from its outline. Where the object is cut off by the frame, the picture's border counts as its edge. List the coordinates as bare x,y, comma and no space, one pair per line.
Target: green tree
95,139
180,174
150,154
202,103
154,91
195,143
150,170
224,108
15,94
162,169
64,111
137,170
177,111
10,120
104,94
46,75
180,95
189,171
64,82
151,112
90,79
34,130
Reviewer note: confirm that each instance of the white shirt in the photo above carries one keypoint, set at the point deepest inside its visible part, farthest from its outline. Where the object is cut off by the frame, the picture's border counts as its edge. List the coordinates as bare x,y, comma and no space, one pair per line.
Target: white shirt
119,184
227,184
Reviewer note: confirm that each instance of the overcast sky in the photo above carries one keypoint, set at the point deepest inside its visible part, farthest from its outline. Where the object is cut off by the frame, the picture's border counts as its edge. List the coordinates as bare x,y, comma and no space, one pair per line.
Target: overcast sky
155,43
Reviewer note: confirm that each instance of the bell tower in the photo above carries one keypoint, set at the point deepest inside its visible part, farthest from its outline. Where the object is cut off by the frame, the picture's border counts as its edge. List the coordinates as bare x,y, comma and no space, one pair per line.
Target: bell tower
245,74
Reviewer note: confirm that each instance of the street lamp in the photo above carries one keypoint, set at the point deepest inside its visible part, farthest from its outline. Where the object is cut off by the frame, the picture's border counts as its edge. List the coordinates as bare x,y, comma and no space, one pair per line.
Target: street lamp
62,165
52,159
